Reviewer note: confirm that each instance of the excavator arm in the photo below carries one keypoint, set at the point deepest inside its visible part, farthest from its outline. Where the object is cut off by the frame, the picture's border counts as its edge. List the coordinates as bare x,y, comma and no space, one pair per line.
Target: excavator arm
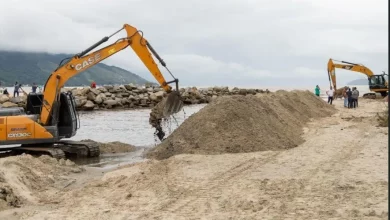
80,62
347,66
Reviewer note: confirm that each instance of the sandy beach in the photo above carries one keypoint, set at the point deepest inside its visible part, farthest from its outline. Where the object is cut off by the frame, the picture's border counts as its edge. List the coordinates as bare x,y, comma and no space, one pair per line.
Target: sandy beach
338,171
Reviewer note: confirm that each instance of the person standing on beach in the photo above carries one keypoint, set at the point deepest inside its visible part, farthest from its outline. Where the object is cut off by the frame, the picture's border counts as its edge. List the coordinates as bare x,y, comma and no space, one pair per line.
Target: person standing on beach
330,94
345,97
317,91
349,95
355,96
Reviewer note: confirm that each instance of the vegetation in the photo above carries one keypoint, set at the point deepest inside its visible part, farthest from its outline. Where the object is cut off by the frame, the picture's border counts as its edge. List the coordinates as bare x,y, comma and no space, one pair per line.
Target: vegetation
29,67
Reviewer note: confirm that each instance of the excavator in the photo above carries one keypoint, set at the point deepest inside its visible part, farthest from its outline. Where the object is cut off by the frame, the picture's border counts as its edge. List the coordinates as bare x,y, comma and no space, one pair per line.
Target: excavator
376,83
51,116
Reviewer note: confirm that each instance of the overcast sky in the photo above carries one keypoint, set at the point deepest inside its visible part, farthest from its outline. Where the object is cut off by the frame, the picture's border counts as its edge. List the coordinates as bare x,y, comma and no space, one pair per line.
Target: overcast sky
226,42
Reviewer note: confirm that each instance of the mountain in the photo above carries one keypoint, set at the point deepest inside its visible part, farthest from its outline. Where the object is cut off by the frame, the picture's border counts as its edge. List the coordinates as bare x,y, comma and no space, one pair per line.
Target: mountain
29,67
358,82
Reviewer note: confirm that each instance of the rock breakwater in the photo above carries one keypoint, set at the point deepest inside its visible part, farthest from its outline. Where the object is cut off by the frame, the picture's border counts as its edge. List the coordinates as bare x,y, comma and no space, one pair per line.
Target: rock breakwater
132,96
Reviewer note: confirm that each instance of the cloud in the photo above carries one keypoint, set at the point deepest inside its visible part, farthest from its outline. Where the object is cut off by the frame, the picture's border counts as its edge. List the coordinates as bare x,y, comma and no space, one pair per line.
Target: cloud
264,42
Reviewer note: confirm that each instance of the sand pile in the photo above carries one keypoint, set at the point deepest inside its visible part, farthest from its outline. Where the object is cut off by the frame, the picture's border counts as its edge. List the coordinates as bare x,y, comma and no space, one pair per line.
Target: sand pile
113,147
240,124
23,178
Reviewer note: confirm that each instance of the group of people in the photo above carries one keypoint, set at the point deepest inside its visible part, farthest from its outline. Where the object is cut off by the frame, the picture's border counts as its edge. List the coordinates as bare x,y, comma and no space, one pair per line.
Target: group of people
351,97
330,93
18,87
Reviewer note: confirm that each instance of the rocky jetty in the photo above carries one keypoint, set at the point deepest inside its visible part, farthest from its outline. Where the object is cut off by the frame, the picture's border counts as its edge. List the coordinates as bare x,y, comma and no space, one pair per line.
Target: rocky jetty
132,96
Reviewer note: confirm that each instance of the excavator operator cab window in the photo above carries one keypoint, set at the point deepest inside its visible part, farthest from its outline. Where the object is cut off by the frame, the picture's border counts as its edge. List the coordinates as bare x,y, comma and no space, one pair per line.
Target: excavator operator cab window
373,80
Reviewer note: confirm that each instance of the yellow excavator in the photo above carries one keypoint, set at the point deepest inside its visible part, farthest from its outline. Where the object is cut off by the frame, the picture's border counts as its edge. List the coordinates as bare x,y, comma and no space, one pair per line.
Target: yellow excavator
376,83
51,116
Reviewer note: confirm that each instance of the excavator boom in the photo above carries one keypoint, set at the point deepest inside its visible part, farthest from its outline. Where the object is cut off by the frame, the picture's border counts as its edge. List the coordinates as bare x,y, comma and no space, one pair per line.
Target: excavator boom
81,62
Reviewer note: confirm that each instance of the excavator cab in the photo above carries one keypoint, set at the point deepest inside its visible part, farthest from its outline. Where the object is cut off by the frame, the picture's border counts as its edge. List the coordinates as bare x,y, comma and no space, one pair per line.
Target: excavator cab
67,122
378,83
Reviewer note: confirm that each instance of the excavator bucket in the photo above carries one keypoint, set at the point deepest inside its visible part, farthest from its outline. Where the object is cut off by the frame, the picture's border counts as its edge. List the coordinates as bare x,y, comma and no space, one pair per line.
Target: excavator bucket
164,109
173,104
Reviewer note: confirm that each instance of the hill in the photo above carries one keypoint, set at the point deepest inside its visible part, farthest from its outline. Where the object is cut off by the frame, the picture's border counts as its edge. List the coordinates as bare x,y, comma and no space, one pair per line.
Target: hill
29,67
358,82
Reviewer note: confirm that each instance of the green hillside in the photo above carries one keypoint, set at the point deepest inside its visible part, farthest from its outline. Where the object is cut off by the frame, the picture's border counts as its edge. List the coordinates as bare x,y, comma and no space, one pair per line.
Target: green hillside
29,67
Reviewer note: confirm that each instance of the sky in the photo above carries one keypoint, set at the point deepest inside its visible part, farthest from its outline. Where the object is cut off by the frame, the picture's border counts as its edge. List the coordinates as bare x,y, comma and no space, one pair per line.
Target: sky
214,42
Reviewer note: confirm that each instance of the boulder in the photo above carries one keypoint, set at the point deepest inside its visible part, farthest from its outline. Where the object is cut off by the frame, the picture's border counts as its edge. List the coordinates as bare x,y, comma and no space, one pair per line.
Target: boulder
118,100
110,102
157,89
96,91
4,98
130,86
143,103
102,89
116,89
242,92
91,96
85,91
80,102
98,99
150,89
195,101
251,91
16,100
153,97
108,87
88,105
159,94
217,89
9,105
76,92
185,94
125,101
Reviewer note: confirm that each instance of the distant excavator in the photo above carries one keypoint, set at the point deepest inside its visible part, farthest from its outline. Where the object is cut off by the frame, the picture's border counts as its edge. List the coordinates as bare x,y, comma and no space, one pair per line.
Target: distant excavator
376,83
51,116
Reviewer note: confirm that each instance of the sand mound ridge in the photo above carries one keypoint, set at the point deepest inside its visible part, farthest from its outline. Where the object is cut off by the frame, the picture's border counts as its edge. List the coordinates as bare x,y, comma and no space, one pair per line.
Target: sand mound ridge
23,177
239,124
113,147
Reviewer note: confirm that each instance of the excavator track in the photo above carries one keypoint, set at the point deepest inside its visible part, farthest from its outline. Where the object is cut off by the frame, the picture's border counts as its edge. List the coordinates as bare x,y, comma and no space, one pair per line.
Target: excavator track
58,150
52,151
80,148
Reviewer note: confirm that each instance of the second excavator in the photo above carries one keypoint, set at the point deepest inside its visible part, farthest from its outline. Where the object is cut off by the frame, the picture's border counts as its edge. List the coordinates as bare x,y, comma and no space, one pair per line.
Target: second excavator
376,83
51,116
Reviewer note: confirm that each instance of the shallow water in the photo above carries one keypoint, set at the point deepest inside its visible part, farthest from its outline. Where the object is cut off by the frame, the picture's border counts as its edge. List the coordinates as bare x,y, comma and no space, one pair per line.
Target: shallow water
127,126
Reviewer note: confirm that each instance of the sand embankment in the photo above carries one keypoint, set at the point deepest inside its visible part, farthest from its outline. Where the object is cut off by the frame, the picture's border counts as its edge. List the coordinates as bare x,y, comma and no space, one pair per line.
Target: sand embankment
239,124
339,172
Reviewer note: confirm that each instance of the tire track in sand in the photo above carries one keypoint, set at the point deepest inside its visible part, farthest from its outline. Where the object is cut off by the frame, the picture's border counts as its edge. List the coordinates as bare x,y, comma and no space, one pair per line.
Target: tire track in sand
202,193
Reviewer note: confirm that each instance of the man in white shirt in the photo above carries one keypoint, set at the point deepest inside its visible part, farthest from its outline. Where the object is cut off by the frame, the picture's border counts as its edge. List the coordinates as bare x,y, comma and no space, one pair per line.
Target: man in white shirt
330,94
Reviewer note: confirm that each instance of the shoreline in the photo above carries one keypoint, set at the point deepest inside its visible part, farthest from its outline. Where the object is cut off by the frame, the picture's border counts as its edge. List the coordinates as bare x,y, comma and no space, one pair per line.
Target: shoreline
312,180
